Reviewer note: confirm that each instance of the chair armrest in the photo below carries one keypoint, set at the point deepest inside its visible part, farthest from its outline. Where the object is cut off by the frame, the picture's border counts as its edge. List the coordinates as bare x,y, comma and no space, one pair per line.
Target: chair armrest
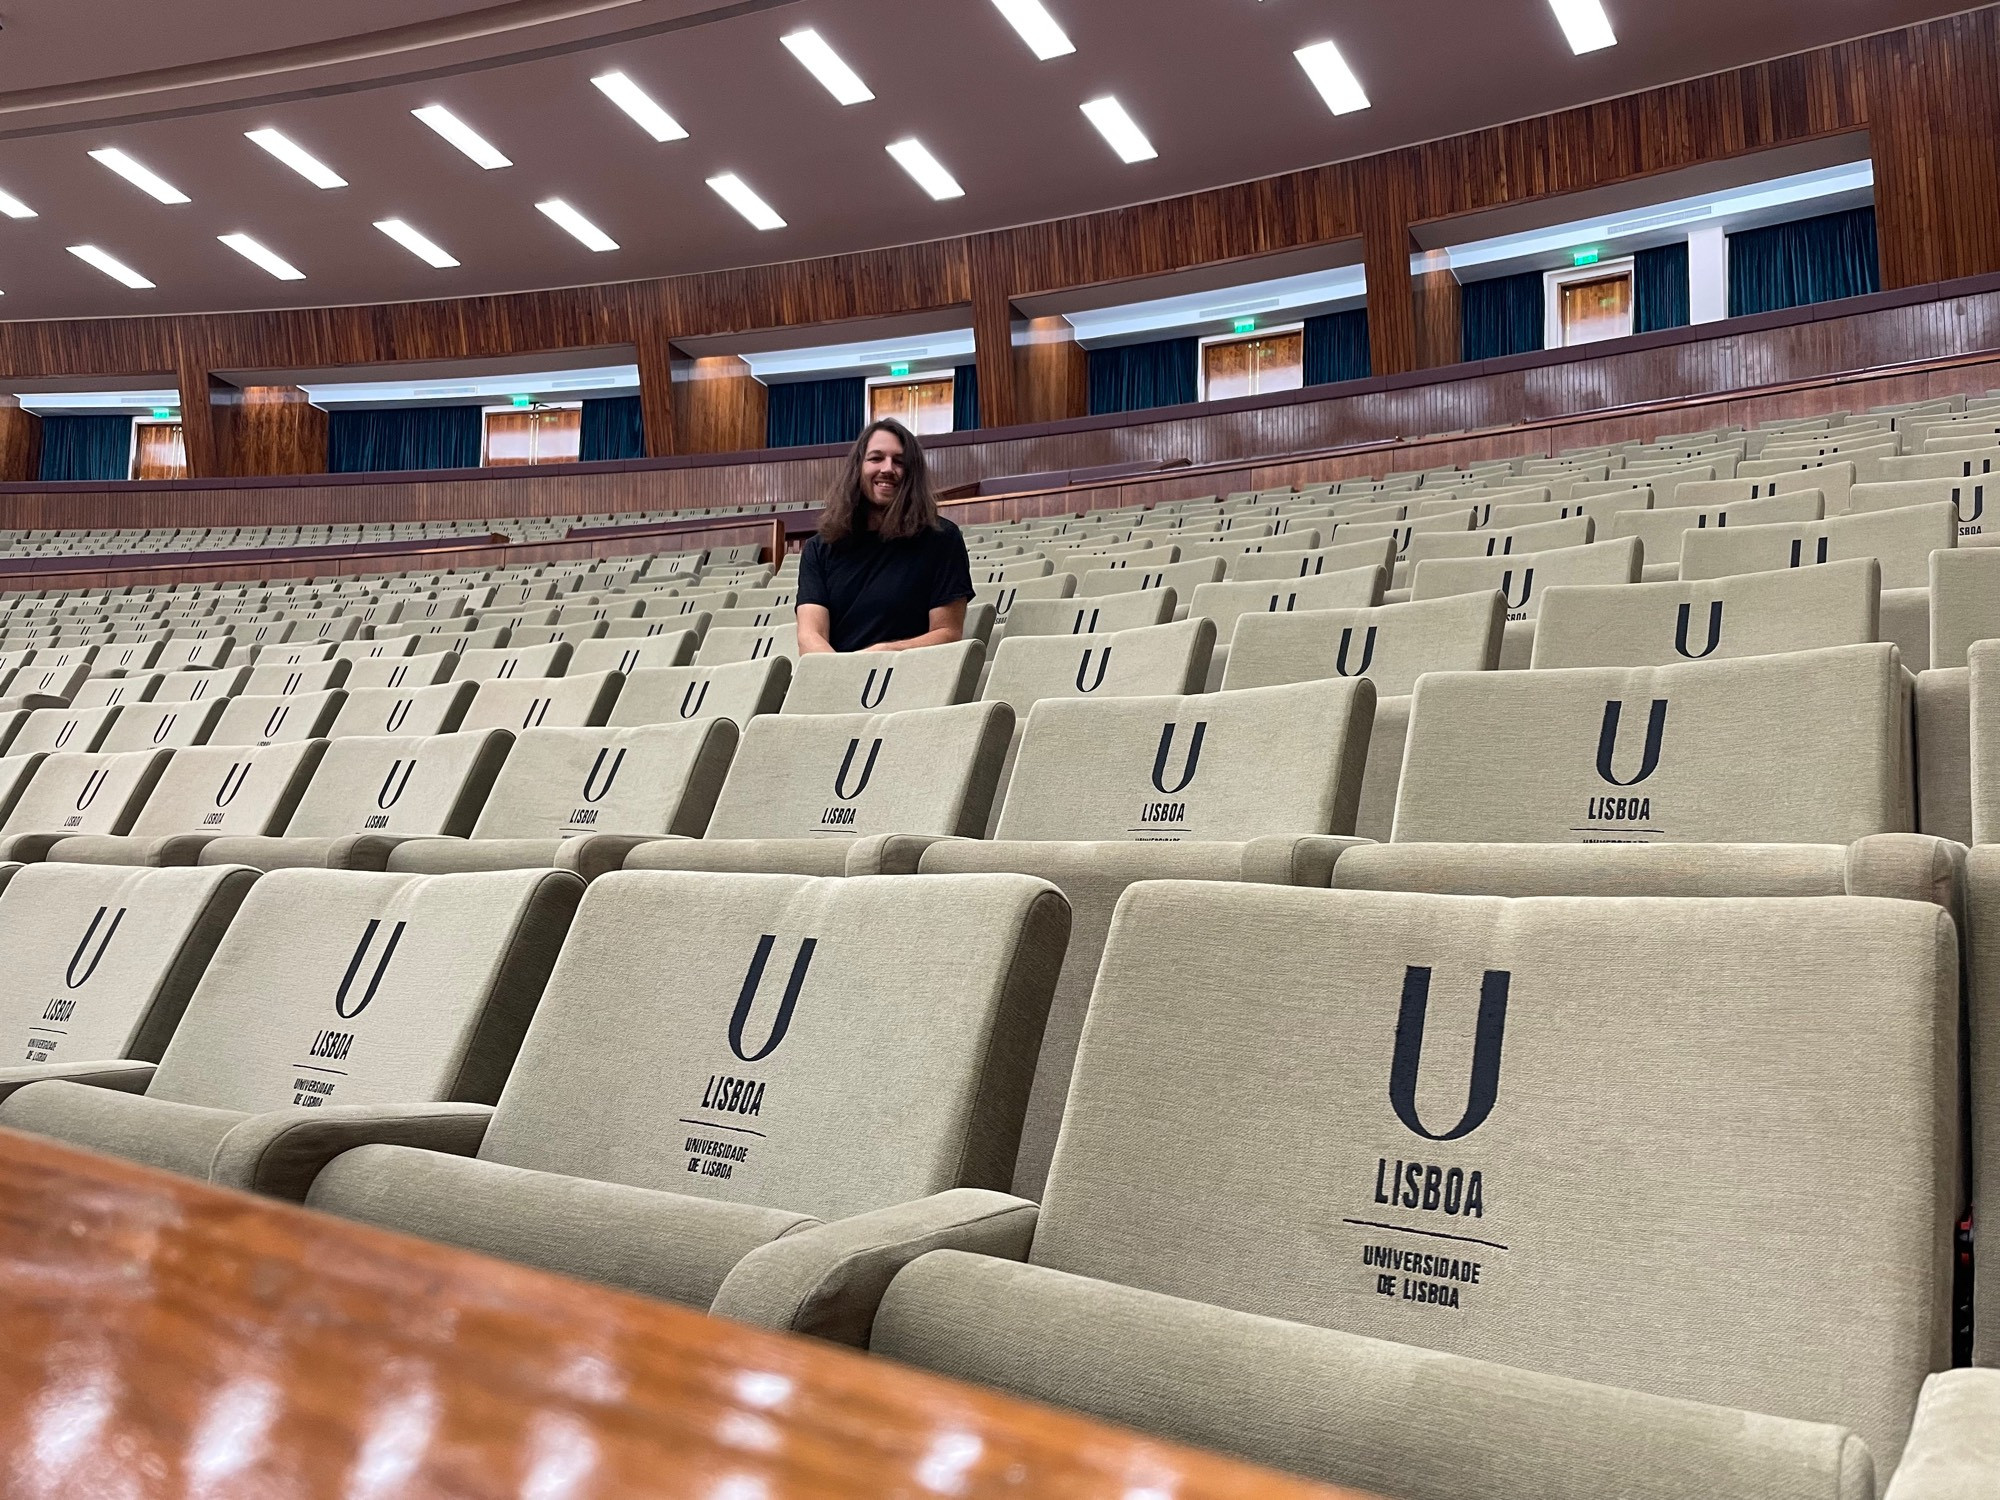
1954,1447
889,853
1306,861
280,1152
369,851
596,854
123,1074
828,1280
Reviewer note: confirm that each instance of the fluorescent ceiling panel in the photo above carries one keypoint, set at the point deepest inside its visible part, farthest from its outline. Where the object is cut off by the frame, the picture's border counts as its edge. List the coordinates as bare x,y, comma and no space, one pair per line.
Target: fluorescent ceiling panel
147,401
111,266
1117,127
1332,77
591,236
1037,27
139,175
14,208
641,106
257,255
462,135
424,249
915,158
1278,295
737,194
1585,24
363,392
825,64
295,156
953,344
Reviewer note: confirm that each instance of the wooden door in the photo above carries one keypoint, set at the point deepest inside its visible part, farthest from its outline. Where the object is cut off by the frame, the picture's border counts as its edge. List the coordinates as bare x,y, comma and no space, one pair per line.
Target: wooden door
533,436
923,406
162,452
1593,311
1229,369
1279,363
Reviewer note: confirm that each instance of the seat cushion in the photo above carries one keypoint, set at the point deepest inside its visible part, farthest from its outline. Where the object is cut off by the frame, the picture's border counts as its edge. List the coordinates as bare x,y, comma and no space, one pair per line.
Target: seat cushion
153,1132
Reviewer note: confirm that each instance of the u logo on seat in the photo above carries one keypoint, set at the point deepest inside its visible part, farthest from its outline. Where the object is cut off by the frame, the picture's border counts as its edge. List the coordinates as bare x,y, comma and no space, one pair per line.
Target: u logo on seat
1527,588
507,667
538,710
93,784
398,674
399,712
1714,630
747,997
628,659
1978,504
1607,741
1506,550
164,728
1488,1034
763,647
275,720
71,977
1313,568
847,764
354,967
868,687
591,791
65,734
393,789
1367,652
232,782
690,709
1083,668
1166,749
1798,549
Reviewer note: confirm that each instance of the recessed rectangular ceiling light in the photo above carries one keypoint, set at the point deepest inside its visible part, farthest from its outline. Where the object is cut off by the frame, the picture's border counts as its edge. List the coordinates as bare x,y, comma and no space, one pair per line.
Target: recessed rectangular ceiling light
736,193
916,159
1332,77
462,135
1126,138
1585,24
14,208
143,178
577,224
116,269
1037,27
256,254
415,243
301,161
641,106
825,64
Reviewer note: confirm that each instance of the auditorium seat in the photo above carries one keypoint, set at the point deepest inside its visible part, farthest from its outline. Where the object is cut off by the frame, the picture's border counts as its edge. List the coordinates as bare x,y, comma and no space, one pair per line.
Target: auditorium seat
368,794
501,663
206,792
1340,558
667,695
1137,574
108,692
403,710
74,792
1536,536
64,729
1522,579
826,682
1097,615
1662,529
674,647
268,720
800,1225
1744,614
725,644
100,964
1226,604
340,1008
575,701
855,794
1261,784
1966,496
146,726
427,670
203,684
1584,1287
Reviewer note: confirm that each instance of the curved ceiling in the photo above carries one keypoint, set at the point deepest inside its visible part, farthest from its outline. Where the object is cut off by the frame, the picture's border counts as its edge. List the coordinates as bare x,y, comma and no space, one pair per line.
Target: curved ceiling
1213,83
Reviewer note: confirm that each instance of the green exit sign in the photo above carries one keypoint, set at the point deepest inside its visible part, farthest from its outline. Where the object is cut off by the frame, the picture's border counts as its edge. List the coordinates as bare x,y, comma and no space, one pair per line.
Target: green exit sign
524,400
1246,325
1585,258
163,414
899,370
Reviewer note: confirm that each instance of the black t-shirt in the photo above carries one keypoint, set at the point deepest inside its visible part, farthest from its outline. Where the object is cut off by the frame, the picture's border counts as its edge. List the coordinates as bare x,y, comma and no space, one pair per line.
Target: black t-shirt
884,591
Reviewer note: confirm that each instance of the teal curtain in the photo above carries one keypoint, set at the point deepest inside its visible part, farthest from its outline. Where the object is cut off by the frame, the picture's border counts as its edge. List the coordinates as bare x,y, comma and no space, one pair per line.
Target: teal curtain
1660,288
1807,260
1137,377
1337,347
807,413
415,437
965,399
1502,316
613,427
86,448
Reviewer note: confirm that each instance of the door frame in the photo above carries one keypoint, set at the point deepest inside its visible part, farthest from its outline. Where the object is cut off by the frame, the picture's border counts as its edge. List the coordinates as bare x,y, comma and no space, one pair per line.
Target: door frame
1202,347
1554,281
927,377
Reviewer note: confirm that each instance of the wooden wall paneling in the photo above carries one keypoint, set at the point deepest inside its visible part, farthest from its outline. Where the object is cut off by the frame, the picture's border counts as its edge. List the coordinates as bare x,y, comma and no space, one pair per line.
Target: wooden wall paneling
1439,312
200,394
720,407
1385,247
656,390
993,333
1051,371
20,442
269,430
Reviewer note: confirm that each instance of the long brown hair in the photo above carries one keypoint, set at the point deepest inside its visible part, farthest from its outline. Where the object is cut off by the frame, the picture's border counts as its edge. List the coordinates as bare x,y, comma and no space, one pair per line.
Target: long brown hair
912,512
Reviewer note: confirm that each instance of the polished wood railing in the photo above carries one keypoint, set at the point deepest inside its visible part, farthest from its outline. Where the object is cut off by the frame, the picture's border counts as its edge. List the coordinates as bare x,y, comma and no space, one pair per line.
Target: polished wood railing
164,1338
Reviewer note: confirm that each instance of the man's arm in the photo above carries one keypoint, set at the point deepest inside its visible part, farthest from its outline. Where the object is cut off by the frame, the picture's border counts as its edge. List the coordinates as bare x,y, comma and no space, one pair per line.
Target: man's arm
947,625
816,628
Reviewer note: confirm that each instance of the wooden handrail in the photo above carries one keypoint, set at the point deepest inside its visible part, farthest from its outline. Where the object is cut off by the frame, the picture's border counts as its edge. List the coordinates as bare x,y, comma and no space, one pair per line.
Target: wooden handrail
167,1338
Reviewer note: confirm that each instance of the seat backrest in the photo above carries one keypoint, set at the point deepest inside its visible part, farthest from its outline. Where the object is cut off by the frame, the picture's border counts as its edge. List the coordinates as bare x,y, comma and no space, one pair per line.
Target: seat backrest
924,770
733,643
82,792
737,690
658,779
182,653
104,692
1536,536
1182,578
1522,580
1713,494
629,654
145,726
1098,615
403,711
788,1014
358,651
229,789
195,685
276,679
1662,530
74,729
1689,1052
338,987
1004,596
1967,498
1154,660
503,663
1965,602
571,702
1228,604
1806,748
101,959
1902,540
1234,766
1391,645
278,719
1750,614
292,656
828,682
400,785
404,672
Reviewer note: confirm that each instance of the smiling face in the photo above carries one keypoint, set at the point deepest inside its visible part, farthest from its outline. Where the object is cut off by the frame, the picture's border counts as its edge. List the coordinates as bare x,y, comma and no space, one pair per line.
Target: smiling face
882,470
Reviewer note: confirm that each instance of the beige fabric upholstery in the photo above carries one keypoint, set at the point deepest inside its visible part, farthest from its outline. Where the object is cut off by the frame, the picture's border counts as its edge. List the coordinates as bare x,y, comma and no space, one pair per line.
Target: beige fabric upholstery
885,681
72,729
145,726
791,1011
739,643
104,692
1901,539
79,793
1391,646
1228,603
404,672
1948,798
1982,952
674,647
279,718
505,662
1524,578
208,791
1182,578
667,695
1341,558
1965,602
1662,530
1154,659
1750,614
1100,615
1803,748
1954,1450
194,685
1676,1169
1966,496
576,701
403,711
1537,536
